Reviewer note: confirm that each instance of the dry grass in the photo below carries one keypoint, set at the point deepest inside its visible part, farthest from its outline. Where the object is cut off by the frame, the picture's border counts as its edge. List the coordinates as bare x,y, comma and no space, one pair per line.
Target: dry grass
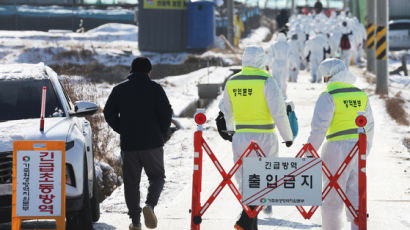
102,135
80,54
395,108
96,72
93,71
370,79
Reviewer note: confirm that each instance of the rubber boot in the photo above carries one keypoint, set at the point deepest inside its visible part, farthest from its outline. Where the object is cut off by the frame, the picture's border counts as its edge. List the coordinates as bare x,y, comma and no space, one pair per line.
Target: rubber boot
254,221
244,222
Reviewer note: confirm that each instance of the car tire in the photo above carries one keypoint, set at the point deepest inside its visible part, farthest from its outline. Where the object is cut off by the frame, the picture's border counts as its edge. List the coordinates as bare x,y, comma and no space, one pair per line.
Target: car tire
82,219
95,201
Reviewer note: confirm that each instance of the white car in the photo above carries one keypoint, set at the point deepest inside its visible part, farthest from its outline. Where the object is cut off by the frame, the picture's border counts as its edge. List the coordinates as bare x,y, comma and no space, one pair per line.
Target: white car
20,105
399,34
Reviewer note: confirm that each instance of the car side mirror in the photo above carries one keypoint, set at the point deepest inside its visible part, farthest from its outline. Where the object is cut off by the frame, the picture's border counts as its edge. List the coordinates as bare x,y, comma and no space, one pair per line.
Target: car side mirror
84,108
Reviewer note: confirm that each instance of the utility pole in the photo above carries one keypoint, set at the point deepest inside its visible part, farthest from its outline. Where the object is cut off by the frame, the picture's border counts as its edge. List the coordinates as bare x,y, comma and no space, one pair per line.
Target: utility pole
370,29
382,47
293,7
230,6
357,7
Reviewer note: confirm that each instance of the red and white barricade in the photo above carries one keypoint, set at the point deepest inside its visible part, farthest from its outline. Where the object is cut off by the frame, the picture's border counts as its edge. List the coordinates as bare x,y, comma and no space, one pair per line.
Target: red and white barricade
198,210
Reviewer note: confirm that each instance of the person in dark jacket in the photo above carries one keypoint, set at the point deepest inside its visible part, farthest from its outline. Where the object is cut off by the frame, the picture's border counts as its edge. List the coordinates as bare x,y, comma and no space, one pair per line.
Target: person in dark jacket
318,7
139,110
281,20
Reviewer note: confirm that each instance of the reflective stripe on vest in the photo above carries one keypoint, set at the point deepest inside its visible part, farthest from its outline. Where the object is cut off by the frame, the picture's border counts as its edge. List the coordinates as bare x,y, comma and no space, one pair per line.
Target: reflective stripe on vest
348,101
344,132
255,126
250,110
248,77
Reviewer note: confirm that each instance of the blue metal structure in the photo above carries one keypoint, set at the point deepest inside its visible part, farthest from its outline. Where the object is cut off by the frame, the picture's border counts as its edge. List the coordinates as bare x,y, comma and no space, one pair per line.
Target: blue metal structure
201,28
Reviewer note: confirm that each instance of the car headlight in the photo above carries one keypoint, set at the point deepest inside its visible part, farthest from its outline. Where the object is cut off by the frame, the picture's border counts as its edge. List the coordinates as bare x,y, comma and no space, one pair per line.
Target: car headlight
69,145
69,175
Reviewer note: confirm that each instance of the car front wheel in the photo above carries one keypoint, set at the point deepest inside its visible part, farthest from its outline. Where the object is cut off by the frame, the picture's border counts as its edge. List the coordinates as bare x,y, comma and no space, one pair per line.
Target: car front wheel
95,202
82,219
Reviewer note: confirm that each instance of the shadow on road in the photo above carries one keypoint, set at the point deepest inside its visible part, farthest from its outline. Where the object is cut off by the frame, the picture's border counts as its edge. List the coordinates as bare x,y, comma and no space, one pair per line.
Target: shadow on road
287,223
44,224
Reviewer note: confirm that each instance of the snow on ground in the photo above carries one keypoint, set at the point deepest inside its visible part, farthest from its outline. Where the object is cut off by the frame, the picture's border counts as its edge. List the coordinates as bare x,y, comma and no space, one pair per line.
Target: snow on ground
109,44
395,62
388,173
255,38
182,90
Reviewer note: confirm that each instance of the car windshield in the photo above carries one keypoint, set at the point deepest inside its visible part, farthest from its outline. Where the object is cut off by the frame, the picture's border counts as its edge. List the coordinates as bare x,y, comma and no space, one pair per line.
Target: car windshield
399,26
21,99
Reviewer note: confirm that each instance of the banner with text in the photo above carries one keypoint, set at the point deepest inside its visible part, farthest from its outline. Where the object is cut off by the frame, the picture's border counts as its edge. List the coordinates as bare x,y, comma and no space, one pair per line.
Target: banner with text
165,4
38,183
282,181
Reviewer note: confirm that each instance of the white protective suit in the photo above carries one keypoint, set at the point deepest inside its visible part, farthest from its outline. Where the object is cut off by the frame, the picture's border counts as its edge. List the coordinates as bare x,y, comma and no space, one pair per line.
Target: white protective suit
296,54
314,48
302,39
254,56
359,36
334,152
346,54
279,53
334,42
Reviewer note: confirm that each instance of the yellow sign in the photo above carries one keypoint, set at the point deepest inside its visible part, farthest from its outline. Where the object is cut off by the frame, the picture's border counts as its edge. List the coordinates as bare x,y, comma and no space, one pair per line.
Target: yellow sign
38,182
165,4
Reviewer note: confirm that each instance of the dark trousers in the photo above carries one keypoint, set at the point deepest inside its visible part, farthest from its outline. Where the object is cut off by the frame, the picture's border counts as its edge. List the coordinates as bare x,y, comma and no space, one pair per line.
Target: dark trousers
152,161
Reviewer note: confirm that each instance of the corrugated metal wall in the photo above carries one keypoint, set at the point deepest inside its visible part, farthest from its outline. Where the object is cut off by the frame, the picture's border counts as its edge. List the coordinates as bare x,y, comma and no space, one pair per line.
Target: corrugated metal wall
162,30
399,9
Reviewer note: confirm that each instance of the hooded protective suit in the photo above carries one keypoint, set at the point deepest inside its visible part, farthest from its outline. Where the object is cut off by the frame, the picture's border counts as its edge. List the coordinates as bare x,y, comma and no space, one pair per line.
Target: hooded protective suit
296,54
254,57
279,53
334,152
334,42
314,49
346,31
359,36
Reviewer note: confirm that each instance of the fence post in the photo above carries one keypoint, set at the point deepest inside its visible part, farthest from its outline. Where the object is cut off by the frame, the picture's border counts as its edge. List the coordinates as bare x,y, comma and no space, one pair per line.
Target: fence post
196,219
361,121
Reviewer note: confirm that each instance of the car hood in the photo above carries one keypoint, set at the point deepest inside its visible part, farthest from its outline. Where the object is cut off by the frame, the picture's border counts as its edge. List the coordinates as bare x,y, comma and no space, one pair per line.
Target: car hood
16,130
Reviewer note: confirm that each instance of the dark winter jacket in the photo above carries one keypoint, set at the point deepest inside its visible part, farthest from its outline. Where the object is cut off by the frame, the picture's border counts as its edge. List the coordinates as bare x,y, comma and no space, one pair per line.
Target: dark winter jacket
138,109
282,19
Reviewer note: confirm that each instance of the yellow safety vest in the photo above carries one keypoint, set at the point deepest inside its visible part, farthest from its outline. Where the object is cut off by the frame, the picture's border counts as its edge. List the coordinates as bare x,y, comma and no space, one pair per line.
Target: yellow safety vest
348,101
250,110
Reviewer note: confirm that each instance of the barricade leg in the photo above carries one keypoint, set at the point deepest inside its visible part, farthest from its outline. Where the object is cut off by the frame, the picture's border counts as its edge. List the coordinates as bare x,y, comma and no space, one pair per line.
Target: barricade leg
196,182
333,184
361,122
197,210
227,178
362,182
16,224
